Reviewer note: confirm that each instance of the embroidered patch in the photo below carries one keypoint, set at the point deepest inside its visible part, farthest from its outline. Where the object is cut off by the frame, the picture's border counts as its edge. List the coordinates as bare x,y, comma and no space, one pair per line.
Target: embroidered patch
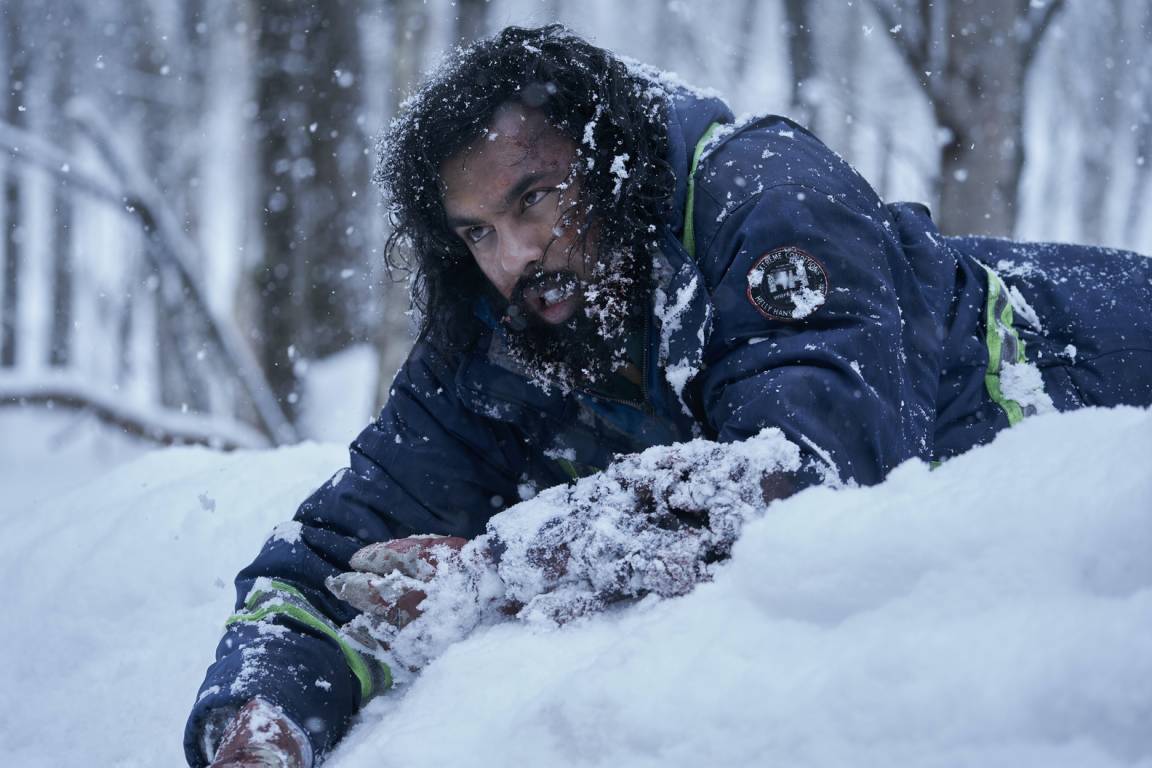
787,284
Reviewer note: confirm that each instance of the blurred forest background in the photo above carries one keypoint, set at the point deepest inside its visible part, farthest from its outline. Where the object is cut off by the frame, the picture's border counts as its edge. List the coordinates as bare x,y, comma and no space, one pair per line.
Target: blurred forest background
187,222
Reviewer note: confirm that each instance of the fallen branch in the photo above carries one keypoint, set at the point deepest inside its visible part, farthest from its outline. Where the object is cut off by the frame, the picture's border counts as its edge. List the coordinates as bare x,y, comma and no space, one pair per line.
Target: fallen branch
162,427
137,195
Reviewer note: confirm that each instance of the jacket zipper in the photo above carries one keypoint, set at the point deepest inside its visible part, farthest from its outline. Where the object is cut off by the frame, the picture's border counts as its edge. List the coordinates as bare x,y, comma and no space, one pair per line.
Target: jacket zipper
644,404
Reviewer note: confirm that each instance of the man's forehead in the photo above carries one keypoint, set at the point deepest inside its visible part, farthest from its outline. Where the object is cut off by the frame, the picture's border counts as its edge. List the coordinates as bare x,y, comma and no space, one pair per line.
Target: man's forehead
517,138
523,133
518,122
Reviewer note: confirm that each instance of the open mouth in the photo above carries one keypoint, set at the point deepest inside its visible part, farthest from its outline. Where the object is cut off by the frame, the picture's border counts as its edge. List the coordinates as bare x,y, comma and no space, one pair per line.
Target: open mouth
552,295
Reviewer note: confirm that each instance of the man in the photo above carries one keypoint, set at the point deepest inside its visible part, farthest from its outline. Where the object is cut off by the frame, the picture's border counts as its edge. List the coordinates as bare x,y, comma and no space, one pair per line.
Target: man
605,263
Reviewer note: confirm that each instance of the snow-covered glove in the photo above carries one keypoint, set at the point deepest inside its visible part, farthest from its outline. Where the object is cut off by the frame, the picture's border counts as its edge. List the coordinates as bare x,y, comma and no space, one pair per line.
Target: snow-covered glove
391,582
262,736
387,579
652,523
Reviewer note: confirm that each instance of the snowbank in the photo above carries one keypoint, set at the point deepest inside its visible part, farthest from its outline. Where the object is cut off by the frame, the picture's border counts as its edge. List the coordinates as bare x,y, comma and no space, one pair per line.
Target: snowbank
116,593
996,611
45,452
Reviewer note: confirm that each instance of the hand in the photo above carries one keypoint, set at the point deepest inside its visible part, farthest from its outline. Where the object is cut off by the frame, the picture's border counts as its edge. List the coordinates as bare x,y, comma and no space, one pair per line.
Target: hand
419,595
652,523
388,578
262,736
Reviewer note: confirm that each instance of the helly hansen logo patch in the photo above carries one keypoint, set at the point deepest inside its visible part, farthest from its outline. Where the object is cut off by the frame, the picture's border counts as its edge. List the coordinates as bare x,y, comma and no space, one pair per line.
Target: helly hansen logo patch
787,284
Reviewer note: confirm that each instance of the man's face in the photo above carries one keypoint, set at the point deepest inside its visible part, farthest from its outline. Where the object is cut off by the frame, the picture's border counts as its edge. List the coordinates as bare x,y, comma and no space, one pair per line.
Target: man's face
510,197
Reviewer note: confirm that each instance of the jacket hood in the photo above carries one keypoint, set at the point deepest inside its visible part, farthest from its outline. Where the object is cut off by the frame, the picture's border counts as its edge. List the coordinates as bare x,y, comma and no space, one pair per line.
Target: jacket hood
690,113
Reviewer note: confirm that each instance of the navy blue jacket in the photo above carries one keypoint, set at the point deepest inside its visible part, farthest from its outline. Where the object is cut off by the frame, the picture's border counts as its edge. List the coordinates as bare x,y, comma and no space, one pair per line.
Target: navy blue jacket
883,356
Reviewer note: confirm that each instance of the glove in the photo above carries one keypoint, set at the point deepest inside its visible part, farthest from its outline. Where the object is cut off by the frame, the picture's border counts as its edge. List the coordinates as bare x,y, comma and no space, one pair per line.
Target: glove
387,579
395,584
653,523
262,736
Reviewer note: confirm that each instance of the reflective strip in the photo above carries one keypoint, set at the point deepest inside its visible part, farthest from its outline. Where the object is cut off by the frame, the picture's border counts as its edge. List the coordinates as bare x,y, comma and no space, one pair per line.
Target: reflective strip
689,238
286,600
575,470
569,468
1004,346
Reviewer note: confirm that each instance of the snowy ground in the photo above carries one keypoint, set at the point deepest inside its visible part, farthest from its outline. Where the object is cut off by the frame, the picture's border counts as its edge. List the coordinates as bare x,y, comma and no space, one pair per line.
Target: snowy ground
994,612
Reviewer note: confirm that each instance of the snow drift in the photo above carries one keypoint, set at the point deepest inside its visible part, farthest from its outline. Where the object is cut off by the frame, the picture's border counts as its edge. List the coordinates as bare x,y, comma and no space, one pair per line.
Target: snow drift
996,611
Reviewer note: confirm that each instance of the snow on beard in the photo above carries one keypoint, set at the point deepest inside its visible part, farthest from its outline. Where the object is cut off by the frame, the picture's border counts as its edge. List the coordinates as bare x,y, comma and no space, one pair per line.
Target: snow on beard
591,344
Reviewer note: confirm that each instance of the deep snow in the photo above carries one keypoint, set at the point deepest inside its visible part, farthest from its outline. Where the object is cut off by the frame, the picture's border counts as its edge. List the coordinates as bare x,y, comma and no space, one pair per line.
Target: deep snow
996,611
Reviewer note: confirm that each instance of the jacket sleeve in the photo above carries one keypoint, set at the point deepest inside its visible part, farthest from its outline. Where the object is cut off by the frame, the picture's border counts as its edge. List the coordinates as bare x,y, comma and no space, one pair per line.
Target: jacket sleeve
833,374
426,465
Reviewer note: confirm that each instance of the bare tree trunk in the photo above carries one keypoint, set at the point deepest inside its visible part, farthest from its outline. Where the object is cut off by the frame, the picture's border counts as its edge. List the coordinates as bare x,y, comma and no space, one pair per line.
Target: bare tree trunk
410,24
972,59
1100,121
843,130
16,52
1139,208
278,139
314,180
409,43
166,158
9,301
675,35
744,36
981,105
61,58
60,349
471,20
887,158
801,54
337,197
190,57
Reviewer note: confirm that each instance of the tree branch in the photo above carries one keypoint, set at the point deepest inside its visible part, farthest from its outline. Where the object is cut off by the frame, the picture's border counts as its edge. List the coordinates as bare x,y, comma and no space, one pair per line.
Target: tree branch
913,51
148,203
29,147
138,197
161,427
916,52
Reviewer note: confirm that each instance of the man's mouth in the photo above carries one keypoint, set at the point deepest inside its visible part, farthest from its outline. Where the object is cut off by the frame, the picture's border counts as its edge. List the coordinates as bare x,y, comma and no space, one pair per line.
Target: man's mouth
551,296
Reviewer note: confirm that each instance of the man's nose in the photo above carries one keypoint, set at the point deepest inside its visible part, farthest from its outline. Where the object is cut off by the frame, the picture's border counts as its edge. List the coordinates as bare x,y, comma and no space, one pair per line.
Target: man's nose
520,249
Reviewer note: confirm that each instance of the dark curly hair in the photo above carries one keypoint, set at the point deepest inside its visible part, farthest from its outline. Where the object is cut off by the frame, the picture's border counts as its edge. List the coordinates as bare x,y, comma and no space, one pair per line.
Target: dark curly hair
585,92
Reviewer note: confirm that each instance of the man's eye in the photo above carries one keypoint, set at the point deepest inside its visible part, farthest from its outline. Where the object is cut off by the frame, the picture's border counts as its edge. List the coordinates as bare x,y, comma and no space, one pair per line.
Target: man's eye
475,234
535,196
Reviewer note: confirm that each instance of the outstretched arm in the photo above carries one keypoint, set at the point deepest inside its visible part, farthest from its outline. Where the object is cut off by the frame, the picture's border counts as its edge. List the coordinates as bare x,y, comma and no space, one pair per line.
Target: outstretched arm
426,465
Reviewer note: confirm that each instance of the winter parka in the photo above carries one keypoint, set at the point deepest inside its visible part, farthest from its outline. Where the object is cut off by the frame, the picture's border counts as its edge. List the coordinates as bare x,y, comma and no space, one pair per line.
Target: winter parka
789,295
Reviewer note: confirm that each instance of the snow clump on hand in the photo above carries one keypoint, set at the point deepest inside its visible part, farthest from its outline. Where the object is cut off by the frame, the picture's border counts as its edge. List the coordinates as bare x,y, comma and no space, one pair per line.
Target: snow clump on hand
652,523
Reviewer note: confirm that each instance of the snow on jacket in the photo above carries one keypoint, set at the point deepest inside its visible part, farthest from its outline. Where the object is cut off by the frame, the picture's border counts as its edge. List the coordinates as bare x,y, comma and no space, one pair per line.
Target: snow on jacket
797,299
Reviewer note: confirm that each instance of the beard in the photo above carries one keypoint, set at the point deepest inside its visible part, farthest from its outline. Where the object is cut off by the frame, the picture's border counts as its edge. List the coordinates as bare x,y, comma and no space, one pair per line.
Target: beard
590,345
